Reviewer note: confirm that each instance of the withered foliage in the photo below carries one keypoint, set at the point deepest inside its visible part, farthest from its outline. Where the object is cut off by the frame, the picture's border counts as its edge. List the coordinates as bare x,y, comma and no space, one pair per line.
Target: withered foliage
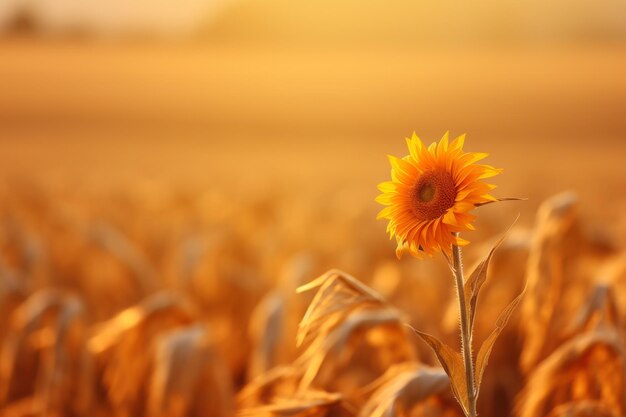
150,302
405,388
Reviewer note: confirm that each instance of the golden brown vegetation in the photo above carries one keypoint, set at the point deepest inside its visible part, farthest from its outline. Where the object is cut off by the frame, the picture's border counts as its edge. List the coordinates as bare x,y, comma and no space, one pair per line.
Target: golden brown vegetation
107,310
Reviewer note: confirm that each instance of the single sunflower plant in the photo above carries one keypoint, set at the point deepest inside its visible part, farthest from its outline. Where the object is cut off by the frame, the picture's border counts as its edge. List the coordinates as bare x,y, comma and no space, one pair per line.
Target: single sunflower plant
429,202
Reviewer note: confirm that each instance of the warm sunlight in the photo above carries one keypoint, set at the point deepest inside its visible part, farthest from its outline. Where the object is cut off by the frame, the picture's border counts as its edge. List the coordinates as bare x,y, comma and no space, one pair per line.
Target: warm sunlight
188,203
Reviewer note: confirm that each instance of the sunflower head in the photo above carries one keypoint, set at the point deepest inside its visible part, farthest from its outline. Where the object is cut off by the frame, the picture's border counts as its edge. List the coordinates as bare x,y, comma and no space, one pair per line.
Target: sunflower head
431,194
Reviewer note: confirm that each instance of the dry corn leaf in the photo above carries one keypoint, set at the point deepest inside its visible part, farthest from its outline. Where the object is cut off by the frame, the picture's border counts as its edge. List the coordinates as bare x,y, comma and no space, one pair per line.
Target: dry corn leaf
583,409
278,382
123,348
588,367
46,333
107,335
266,330
401,388
281,381
117,244
599,310
185,366
345,320
338,294
336,345
310,403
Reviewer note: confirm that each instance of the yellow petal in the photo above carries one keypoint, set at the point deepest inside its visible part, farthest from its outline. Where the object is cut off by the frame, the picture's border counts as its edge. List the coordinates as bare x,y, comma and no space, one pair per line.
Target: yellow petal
489,172
399,250
385,199
418,142
442,147
387,186
412,149
457,144
384,213
475,157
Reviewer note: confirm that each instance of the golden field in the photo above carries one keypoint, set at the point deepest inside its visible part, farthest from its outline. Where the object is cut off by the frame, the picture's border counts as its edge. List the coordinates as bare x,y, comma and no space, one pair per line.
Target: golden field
161,202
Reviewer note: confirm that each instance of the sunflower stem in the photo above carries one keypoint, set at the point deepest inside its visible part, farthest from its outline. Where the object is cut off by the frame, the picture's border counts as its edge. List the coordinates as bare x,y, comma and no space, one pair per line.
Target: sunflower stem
466,345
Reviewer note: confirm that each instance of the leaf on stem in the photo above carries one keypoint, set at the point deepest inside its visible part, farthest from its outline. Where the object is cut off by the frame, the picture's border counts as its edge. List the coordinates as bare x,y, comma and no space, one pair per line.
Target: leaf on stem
402,388
501,199
472,286
452,363
487,346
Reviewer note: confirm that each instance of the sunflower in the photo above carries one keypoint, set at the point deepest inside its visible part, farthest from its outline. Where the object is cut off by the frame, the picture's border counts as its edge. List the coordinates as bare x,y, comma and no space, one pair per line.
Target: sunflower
431,194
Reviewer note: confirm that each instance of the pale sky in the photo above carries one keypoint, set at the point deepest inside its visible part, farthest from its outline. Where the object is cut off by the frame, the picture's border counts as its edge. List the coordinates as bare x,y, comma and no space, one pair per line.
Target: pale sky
335,20
117,16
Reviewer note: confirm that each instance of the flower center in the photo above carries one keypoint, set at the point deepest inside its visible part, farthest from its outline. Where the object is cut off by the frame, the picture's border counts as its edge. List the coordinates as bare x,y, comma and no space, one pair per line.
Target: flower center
433,194
426,193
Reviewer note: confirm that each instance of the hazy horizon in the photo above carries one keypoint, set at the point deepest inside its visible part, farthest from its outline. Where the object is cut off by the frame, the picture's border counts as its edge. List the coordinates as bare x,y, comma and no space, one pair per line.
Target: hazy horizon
350,21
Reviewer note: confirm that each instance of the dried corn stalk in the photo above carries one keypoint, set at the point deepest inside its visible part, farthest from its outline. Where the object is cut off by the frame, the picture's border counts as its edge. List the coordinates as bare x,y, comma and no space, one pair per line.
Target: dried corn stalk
590,366
339,294
44,354
544,276
123,348
266,330
345,320
120,247
188,378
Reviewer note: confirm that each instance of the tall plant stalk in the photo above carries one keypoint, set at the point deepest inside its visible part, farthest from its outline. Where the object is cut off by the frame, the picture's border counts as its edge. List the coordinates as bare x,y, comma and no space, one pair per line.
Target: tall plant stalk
466,337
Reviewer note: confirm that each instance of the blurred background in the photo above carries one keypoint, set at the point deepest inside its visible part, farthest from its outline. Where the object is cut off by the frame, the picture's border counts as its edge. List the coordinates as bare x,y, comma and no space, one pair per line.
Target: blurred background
164,91
230,149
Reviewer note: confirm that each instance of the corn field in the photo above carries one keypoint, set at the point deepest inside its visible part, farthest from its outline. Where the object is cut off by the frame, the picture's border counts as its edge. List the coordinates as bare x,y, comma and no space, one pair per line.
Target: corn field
152,302
188,218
